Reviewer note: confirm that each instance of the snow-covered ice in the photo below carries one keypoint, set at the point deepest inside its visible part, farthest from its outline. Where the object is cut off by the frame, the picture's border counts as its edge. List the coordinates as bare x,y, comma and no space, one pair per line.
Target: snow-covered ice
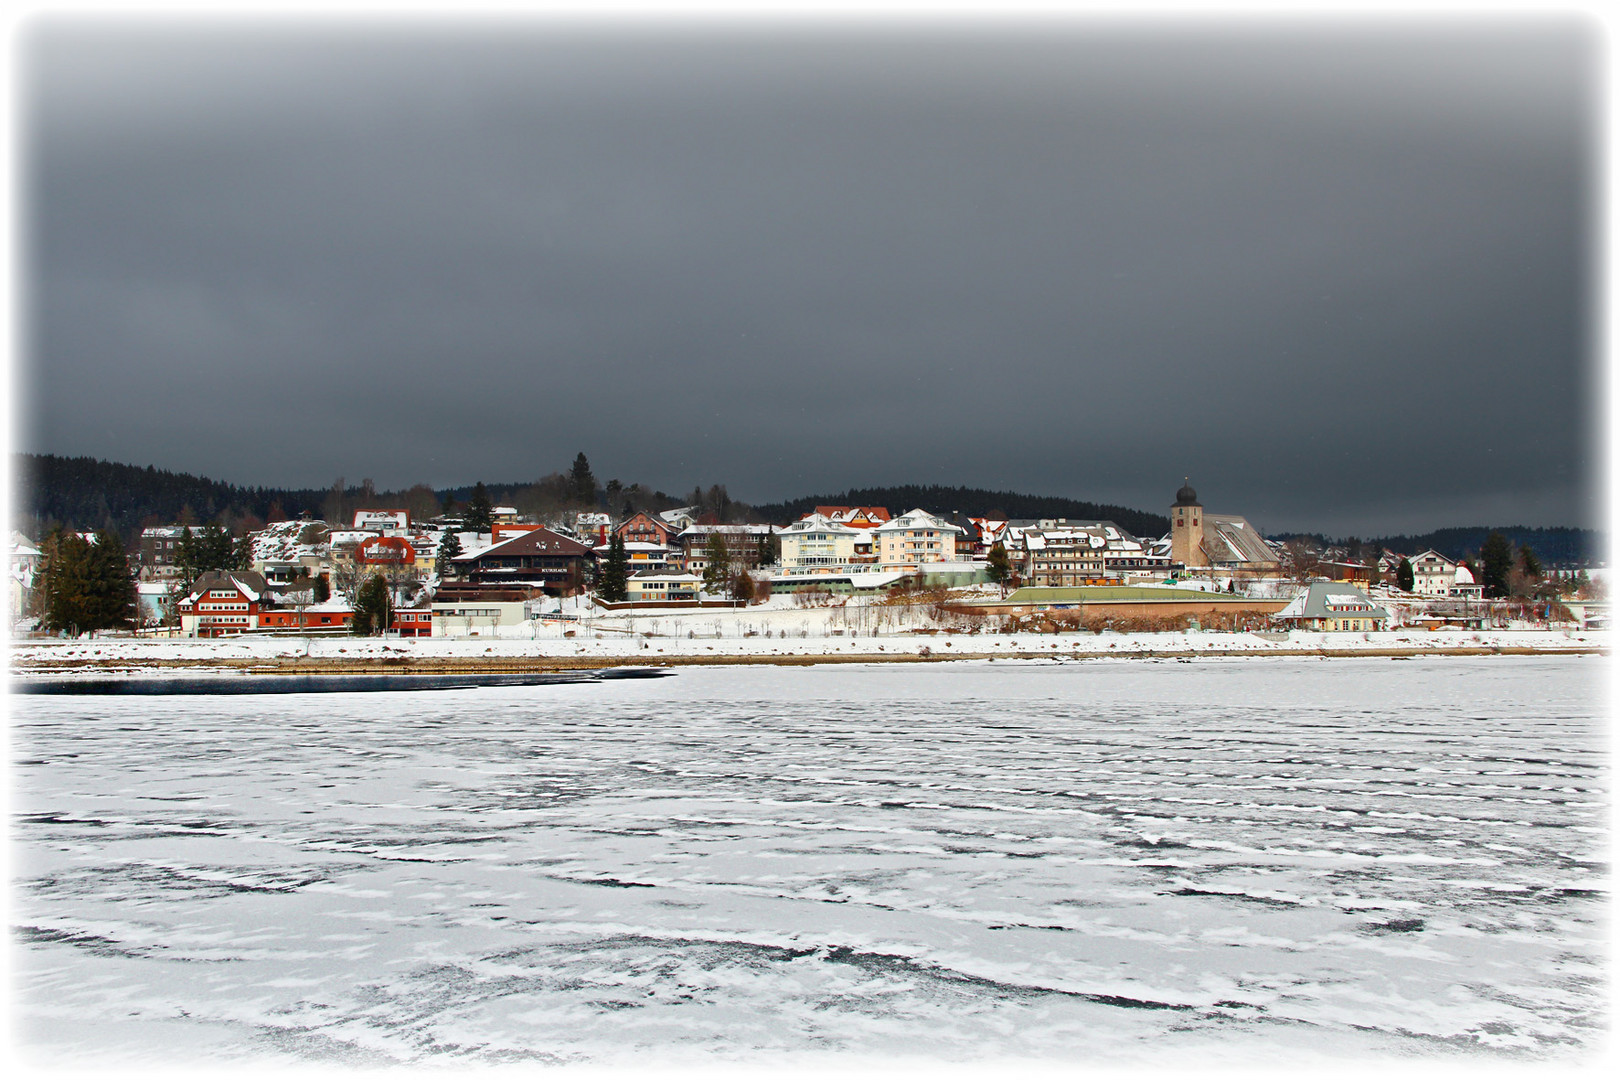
1104,861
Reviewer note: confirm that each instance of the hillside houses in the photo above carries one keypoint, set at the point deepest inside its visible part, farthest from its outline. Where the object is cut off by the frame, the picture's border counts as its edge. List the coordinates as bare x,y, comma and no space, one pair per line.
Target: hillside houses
435,569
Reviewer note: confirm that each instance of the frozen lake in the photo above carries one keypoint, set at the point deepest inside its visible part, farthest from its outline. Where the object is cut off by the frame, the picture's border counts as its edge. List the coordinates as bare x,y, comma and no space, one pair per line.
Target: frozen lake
1243,860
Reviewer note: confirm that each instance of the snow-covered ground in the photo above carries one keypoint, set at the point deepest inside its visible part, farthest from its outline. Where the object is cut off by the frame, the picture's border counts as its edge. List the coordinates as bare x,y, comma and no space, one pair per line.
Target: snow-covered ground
1227,861
786,631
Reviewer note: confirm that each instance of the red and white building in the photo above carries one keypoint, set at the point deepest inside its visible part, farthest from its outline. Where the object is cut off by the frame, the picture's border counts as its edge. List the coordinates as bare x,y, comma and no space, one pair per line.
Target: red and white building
223,602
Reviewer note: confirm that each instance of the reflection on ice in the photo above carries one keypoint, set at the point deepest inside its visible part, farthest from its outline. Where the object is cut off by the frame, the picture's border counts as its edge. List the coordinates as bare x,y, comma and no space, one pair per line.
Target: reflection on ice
1247,858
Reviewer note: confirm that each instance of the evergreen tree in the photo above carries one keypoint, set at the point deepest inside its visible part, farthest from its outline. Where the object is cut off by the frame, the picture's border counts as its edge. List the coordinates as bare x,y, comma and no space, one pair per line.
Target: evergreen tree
1405,579
1528,562
480,511
717,574
449,548
582,482
997,566
1496,560
209,547
87,586
613,583
322,590
373,607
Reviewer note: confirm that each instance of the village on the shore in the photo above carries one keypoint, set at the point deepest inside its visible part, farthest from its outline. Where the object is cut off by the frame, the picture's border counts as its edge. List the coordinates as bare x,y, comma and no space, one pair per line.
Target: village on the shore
484,570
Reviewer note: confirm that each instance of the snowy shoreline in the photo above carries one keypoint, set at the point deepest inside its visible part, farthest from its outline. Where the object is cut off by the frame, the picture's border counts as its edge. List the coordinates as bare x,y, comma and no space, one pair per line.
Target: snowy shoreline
591,649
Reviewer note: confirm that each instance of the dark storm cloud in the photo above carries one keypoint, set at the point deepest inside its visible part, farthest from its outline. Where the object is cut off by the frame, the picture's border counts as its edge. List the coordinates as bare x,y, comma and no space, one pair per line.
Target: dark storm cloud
1338,273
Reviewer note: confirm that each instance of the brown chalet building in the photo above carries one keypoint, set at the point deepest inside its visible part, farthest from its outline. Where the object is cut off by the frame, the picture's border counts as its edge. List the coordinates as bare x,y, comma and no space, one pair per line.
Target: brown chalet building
538,558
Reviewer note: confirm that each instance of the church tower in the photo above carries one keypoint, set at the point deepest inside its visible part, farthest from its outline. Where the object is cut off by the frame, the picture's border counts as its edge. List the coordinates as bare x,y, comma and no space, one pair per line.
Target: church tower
1187,528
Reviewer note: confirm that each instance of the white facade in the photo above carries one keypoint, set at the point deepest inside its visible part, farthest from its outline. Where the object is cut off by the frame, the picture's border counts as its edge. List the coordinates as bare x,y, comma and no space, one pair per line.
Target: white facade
653,587
471,618
1433,574
816,544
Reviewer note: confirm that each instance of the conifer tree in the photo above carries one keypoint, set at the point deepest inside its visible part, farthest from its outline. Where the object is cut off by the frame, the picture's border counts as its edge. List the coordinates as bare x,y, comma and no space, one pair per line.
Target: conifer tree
582,482
1528,562
997,566
717,574
87,586
373,607
1495,560
480,511
614,583
1405,579
449,548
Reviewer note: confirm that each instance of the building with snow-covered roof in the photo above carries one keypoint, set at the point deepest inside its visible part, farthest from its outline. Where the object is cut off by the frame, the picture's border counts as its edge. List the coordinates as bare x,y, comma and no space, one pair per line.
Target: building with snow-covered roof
1332,605
284,550
1061,552
387,522
856,517
914,538
1433,574
592,528
157,550
539,557
643,528
1223,542
748,546
1463,585
22,573
657,586
222,602
816,544
682,517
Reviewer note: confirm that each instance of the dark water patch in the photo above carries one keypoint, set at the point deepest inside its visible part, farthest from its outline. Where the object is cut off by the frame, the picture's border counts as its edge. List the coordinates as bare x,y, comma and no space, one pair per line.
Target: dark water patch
895,964
1268,901
316,1047
95,944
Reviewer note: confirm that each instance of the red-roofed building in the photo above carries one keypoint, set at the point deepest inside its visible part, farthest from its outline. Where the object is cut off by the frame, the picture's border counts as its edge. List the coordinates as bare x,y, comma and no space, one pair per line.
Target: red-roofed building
645,529
855,517
384,552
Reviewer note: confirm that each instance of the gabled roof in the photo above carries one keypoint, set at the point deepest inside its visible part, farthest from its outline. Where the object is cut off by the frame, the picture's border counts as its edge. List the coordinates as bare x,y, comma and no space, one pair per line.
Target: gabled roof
246,582
818,523
916,519
846,514
1331,599
1231,539
533,542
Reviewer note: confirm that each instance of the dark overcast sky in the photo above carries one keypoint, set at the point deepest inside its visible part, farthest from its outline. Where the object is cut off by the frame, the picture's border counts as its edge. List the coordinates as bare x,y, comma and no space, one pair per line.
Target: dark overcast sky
1338,273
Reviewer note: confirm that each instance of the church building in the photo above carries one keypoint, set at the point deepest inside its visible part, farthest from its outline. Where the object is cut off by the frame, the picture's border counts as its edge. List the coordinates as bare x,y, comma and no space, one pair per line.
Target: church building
1220,542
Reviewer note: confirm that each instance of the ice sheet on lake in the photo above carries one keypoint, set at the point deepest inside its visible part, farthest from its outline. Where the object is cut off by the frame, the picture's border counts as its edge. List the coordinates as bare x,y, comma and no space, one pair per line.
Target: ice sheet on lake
1087,862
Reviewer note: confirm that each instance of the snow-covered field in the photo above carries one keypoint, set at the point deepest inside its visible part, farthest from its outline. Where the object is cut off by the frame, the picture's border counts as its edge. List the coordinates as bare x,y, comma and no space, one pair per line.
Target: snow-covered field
1221,861
694,636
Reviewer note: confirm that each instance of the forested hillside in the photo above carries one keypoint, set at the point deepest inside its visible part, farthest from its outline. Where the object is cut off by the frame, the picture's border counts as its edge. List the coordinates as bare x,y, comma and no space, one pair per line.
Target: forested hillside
1554,546
85,493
